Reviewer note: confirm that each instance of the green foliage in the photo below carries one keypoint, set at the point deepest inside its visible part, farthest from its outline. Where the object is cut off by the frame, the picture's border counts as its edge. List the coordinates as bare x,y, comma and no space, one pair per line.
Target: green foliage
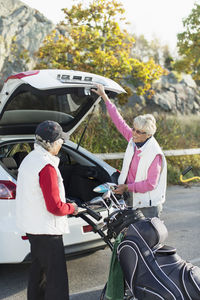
173,174
172,133
101,136
92,41
189,44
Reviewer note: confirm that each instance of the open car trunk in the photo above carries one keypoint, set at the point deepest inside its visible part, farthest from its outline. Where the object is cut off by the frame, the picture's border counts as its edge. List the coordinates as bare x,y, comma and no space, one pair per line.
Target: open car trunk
64,96
80,173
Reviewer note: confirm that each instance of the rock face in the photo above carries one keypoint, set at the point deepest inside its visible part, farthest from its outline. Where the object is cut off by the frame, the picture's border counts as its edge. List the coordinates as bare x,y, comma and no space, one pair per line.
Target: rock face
173,95
22,30
177,95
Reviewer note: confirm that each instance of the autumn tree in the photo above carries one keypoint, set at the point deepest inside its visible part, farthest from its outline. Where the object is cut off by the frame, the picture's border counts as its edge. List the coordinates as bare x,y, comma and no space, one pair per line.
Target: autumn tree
90,39
168,60
145,50
189,45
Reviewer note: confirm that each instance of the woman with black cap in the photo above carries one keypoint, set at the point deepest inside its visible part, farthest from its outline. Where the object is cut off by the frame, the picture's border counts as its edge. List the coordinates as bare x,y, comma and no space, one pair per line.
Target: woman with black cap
41,212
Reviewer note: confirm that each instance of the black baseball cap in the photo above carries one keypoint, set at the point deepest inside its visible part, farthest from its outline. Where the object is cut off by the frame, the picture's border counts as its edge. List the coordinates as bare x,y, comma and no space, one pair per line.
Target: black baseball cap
50,131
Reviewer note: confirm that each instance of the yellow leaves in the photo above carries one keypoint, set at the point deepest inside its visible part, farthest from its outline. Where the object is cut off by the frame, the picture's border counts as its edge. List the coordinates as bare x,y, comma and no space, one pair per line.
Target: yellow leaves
95,43
144,74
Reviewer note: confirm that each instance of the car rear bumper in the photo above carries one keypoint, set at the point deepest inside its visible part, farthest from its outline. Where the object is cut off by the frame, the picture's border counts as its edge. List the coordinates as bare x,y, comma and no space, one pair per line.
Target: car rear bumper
77,249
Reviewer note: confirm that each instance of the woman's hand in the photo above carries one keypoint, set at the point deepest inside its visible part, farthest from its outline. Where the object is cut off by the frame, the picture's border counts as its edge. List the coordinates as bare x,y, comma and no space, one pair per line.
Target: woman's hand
121,188
100,91
75,208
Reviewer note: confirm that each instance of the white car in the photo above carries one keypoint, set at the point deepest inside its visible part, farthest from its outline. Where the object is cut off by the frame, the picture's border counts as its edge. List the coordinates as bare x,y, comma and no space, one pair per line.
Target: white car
27,99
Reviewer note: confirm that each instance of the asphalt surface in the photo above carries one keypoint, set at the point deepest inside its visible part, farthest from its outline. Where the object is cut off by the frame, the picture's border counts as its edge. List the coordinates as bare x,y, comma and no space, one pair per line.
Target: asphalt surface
88,274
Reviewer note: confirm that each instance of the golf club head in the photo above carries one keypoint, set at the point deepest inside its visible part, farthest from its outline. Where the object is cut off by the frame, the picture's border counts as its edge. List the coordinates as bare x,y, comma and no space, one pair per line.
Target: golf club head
102,188
96,201
106,195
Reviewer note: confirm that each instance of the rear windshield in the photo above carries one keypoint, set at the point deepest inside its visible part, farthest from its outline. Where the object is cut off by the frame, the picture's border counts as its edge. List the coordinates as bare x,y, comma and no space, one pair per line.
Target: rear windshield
61,106
67,103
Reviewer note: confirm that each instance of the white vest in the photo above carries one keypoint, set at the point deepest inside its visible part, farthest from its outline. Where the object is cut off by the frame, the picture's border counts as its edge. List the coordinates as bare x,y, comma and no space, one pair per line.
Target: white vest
148,153
31,213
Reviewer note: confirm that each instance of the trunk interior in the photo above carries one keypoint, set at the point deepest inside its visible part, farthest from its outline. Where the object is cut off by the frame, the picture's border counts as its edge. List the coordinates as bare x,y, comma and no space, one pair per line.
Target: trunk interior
80,174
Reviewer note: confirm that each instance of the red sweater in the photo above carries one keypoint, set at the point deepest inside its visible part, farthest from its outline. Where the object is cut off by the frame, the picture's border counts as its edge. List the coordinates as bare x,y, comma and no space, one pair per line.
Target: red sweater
49,184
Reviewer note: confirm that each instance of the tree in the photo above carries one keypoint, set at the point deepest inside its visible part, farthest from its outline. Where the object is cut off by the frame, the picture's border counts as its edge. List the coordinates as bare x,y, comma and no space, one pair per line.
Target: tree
90,39
140,48
189,45
145,50
167,58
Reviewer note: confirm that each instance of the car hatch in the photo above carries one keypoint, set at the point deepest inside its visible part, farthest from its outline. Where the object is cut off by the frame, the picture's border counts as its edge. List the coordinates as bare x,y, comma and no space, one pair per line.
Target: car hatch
64,96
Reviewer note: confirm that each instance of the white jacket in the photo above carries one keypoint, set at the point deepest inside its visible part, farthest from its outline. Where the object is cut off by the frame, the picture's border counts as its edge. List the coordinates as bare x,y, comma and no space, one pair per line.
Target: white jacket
31,212
148,153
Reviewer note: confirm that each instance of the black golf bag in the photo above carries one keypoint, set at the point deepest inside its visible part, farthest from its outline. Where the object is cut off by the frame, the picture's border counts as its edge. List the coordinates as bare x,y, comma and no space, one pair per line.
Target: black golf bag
153,271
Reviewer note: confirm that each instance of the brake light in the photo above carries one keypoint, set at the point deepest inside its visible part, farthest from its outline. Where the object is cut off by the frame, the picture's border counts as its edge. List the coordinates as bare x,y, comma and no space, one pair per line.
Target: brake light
7,189
23,74
87,228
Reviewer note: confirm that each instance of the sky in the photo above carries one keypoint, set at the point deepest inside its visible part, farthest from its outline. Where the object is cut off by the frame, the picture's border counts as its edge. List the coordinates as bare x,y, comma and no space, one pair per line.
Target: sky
160,19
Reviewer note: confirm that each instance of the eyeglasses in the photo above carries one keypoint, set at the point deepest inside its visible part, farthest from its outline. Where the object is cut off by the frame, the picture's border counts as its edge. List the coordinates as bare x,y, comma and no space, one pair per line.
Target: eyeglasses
138,131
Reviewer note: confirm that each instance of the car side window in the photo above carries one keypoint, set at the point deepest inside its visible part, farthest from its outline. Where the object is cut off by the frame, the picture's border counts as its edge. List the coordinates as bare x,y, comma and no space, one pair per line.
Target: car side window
20,147
15,150
4,150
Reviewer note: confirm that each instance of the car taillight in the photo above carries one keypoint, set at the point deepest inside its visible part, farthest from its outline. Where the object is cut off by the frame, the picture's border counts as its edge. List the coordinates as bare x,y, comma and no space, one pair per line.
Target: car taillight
7,189
87,228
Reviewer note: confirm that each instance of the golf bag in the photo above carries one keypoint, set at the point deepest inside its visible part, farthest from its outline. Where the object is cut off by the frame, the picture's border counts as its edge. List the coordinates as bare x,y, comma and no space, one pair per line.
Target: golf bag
153,271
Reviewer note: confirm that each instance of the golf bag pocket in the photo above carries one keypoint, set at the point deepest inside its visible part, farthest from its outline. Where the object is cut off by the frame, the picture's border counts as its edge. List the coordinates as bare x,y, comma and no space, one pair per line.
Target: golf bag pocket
191,281
152,231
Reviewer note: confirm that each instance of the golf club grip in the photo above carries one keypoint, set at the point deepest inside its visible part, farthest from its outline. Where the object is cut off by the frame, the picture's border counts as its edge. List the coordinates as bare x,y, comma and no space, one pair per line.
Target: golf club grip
186,170
93,214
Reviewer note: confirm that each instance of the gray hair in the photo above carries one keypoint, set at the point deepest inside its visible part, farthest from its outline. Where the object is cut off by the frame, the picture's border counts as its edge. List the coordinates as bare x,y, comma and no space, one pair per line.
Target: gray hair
47,145
146,123
44,144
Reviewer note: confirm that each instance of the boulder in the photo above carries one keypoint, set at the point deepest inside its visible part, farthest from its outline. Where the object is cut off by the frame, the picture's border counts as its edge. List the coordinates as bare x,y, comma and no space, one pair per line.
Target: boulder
173,94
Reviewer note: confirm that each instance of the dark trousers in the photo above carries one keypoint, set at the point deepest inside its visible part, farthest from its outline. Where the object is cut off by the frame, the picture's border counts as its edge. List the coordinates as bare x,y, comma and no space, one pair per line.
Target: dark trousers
48,278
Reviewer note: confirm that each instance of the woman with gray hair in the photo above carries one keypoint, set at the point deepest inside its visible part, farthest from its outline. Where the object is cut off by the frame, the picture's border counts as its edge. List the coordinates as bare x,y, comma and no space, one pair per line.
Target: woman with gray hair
41,212
144,170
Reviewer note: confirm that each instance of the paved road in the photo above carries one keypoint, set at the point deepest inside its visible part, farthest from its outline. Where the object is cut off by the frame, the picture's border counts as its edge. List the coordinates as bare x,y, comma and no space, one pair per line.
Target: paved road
182,217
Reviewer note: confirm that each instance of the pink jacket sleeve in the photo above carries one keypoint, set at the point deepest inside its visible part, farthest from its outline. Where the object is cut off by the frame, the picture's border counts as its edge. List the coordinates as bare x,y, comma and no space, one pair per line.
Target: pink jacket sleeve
119,122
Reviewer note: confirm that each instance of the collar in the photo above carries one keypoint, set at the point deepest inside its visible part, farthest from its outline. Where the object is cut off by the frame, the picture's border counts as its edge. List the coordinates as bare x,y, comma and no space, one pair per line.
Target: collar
55,160
139,145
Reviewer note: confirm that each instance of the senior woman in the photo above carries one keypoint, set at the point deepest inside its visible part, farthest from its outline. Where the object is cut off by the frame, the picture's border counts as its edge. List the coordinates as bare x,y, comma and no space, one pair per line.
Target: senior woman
144,170
41,212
